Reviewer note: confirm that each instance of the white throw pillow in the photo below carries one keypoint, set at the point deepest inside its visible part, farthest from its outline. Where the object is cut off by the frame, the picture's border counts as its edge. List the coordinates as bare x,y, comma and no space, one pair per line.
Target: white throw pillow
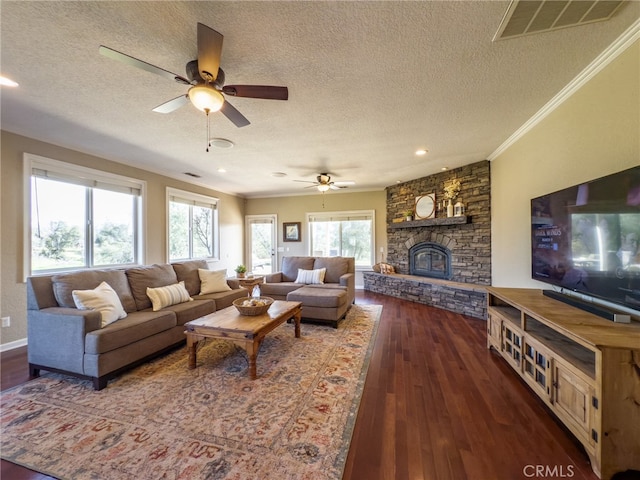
104,299
166,296
213,281
309,277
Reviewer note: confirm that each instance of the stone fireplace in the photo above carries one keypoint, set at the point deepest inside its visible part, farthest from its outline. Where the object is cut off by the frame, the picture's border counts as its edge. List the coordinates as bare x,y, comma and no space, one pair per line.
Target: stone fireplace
444,262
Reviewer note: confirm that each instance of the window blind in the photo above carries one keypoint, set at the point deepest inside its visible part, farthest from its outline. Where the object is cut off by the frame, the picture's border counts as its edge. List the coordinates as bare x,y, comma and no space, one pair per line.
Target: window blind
87,180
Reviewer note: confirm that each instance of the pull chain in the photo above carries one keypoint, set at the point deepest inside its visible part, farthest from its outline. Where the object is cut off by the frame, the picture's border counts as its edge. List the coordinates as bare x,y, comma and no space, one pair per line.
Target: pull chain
206,110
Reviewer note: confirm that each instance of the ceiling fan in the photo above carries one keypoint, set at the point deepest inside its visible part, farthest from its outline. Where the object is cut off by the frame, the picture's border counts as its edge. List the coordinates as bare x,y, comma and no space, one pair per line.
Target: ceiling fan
323,183
206,80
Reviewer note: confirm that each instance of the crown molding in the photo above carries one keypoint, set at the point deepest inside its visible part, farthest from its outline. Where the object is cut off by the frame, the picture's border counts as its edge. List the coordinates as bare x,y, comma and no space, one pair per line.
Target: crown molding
624,41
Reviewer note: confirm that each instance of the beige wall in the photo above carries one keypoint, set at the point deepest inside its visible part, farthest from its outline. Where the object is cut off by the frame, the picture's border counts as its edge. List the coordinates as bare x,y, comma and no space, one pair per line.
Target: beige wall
295,209
12,212
594,133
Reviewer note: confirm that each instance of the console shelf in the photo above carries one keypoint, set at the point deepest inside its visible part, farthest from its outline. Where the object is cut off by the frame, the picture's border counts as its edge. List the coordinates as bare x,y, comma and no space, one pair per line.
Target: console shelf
586,369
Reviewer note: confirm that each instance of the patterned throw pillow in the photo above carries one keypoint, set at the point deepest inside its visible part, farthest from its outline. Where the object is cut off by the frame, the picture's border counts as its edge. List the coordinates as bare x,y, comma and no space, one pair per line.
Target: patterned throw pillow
310,277
104,299
166,296
213,281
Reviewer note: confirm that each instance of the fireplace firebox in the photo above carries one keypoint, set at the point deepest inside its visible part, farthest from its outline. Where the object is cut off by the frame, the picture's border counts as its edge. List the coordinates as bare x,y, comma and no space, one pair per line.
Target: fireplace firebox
428,259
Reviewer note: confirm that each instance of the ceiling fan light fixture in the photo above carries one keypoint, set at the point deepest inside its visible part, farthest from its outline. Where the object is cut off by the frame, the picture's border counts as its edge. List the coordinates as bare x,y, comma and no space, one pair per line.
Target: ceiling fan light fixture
221,143
323,187
206,98
7,82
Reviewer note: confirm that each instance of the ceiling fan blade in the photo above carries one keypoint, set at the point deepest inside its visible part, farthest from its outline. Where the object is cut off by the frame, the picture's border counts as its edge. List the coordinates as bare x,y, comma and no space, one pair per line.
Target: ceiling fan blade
257,91
234,115
134,62
335,187
209,51
345,183
172,105
306,181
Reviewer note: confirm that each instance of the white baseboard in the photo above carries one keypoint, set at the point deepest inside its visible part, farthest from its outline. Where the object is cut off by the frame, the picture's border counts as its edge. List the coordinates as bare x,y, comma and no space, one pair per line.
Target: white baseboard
11,345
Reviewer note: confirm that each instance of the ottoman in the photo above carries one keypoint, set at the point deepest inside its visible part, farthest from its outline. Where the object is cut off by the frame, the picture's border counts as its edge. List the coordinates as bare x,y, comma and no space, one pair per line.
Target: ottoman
322,304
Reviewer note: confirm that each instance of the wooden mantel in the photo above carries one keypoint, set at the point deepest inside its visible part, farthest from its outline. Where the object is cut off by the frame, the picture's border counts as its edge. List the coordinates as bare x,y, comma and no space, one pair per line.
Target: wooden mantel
430,222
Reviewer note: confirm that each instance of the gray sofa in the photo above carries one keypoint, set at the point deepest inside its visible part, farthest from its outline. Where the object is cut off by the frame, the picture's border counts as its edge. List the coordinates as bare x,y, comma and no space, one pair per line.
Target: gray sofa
65,339
325,302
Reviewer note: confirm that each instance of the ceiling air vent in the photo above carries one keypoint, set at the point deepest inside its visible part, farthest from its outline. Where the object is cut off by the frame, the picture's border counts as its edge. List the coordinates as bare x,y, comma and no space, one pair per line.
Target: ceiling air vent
525,17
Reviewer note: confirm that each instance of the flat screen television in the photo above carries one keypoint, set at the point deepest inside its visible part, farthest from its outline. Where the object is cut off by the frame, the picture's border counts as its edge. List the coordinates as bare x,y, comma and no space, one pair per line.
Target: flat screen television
586,238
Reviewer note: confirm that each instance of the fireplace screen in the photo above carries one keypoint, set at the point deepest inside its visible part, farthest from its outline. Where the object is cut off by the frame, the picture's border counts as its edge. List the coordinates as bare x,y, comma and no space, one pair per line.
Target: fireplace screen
430,260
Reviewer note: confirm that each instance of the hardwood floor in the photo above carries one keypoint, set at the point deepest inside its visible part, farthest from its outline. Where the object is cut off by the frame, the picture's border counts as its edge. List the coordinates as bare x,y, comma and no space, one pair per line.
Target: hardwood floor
437,405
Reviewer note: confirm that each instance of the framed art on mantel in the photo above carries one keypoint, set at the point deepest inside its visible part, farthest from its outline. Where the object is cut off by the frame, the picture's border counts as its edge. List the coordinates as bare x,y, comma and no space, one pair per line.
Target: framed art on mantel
291,231
426,206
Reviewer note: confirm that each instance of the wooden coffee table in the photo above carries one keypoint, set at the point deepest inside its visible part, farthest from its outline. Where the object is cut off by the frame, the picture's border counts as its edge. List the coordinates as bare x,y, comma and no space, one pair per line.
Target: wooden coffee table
243,330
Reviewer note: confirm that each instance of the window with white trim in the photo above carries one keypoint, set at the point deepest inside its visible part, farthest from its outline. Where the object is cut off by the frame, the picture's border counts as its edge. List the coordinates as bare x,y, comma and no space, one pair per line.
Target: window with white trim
192,221
81,217
347,234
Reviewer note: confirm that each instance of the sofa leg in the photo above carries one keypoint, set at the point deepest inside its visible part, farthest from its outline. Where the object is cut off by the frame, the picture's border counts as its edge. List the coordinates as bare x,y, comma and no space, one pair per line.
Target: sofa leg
99,383
34,371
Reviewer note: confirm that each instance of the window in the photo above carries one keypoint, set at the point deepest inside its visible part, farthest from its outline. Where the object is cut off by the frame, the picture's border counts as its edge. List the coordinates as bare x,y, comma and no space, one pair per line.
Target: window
347,234
192,225
80,217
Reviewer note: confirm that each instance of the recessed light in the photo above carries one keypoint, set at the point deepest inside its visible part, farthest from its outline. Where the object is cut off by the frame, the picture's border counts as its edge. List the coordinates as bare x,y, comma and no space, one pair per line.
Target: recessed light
7,82
221,143
444,168
278,174
421,152
222,170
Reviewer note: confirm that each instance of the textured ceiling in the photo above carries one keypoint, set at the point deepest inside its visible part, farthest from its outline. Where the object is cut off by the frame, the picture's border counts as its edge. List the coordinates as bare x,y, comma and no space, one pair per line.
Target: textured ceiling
369,83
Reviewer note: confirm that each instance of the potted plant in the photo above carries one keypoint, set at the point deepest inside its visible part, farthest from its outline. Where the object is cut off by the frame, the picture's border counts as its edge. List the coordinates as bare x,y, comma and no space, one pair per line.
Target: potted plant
408,214
240,271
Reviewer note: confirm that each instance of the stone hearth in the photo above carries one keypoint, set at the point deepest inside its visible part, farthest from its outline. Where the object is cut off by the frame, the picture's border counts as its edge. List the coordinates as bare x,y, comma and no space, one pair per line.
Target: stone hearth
457,297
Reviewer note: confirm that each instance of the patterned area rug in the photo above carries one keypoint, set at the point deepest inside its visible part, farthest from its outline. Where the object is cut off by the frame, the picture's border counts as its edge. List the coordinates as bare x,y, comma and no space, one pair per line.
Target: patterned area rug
164,421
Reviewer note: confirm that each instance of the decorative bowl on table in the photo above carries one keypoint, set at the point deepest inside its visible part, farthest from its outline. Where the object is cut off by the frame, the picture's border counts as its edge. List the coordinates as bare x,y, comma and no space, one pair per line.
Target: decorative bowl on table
252,305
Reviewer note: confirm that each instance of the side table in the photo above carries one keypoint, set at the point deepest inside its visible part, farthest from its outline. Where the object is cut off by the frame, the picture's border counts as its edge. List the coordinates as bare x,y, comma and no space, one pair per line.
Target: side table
249,283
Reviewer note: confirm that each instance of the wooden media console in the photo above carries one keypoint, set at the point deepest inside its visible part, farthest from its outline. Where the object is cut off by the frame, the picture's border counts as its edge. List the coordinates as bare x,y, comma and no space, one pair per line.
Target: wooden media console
585,369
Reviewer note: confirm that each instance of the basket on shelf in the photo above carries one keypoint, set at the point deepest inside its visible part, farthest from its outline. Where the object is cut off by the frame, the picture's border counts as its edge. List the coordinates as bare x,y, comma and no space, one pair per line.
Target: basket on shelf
252,305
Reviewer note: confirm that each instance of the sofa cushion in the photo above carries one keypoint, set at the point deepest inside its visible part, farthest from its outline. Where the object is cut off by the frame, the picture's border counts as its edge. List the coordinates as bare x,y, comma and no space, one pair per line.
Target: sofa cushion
149,276
213,281
168,295
137,326
185,312
311,276
336,267
319,297
40,293
103,299
187,271
290,266
279,289
64,284
224,299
